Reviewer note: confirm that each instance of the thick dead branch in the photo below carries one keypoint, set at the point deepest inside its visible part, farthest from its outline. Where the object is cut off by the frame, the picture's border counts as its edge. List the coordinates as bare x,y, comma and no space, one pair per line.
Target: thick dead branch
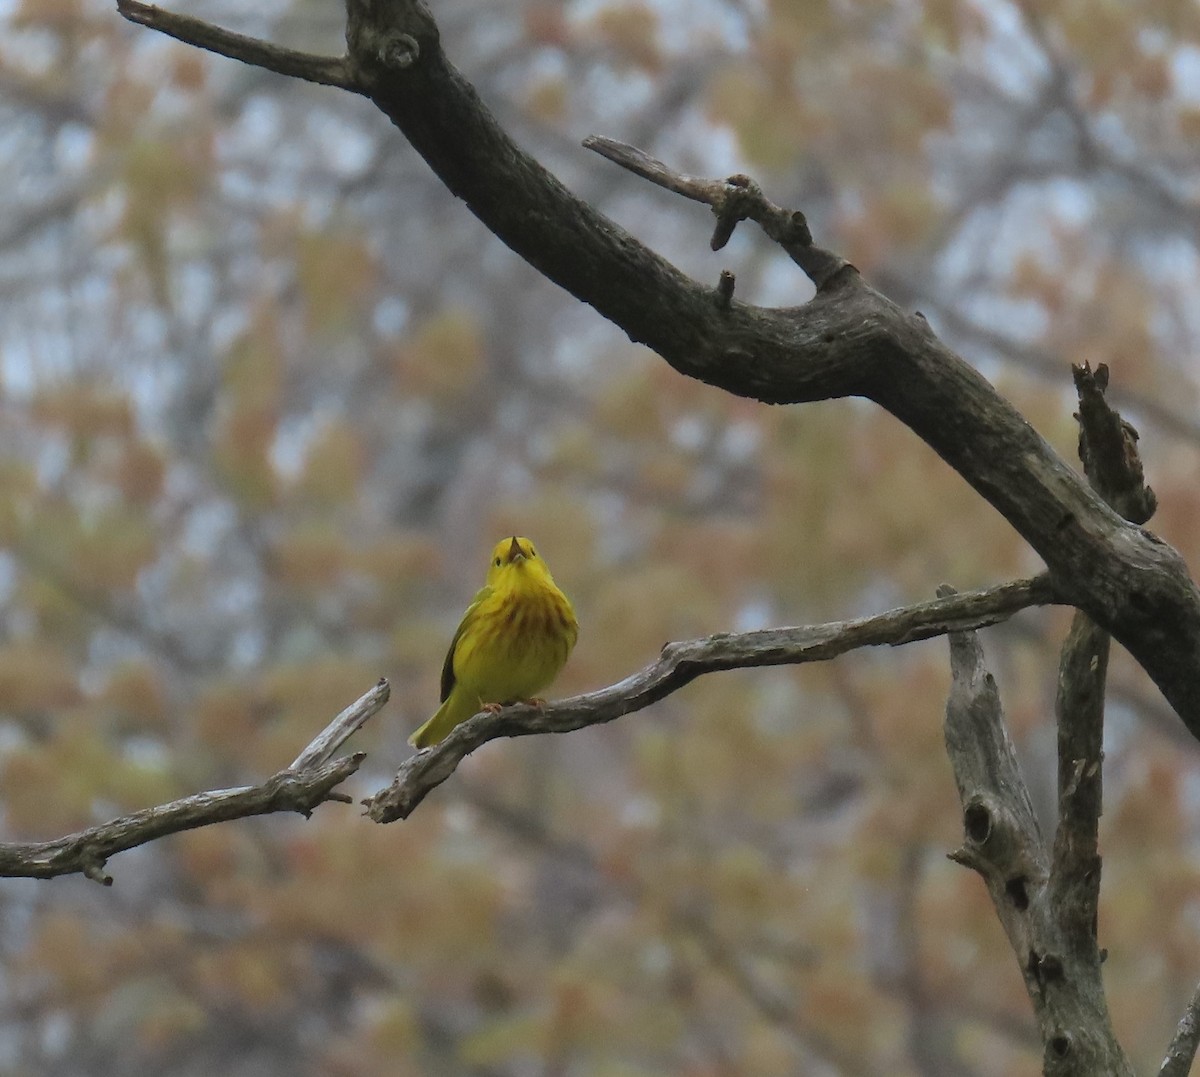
1004,844
1049,904
311,780
1079,710
1108,450
849,340
683,662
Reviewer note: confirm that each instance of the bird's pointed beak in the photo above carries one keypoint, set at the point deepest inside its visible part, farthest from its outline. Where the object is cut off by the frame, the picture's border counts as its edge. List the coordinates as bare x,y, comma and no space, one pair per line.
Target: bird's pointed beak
515,553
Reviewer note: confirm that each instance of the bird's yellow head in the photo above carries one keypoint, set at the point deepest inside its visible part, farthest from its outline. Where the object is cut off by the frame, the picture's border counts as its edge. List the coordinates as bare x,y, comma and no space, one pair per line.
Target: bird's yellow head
514,562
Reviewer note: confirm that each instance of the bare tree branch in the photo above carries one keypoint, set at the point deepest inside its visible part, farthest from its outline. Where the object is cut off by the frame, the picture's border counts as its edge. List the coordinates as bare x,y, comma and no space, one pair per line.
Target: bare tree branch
683,662
1182,1051
735,199
308,782
1108,448
1079,710
320,750
1003,843
326,70
1048,904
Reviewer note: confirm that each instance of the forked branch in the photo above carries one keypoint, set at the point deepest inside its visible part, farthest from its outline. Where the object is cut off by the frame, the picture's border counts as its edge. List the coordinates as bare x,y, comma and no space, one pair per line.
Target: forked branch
733,200
1047,898
310,780
1003,842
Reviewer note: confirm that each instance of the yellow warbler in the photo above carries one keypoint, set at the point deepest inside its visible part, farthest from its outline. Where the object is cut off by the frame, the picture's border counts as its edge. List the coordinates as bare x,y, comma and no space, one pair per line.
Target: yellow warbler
511,643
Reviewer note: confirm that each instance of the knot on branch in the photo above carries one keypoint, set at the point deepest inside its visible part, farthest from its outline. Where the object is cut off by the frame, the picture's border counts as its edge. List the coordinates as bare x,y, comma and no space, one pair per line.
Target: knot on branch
1108,448
92,865
400,799
725,285
399,51
738,200
303,790
386,36
735,199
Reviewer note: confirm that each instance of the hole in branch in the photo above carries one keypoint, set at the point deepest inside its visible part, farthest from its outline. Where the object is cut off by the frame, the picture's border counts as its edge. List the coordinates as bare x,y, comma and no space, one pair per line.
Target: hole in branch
1060,1045
977,822
1015,889
1052,967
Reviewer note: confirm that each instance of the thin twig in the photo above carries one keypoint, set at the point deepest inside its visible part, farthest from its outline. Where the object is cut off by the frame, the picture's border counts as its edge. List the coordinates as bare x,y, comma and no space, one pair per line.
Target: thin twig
343,727
325,70
735,199
1182,1051
683,662
301,787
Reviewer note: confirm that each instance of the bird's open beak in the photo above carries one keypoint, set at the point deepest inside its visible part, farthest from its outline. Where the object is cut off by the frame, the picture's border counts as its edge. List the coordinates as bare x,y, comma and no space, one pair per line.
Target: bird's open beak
515,553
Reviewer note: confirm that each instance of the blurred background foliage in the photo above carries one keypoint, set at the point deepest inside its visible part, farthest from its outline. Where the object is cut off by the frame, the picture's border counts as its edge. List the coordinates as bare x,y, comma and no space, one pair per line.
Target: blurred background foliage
269,394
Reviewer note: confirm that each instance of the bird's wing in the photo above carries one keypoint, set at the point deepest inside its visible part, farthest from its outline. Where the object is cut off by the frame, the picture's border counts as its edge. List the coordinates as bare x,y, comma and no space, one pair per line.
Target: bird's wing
467,618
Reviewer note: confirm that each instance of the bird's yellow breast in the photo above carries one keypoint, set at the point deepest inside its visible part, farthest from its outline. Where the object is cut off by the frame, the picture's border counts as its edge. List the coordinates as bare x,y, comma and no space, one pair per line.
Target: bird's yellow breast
519,640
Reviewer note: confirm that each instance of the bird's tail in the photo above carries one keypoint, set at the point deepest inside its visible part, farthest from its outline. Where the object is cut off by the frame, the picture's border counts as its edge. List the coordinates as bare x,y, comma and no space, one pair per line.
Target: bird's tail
457,708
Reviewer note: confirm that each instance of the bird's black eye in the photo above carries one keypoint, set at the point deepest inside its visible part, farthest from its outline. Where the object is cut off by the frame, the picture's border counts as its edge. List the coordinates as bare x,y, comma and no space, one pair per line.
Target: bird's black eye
532,552
497,562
